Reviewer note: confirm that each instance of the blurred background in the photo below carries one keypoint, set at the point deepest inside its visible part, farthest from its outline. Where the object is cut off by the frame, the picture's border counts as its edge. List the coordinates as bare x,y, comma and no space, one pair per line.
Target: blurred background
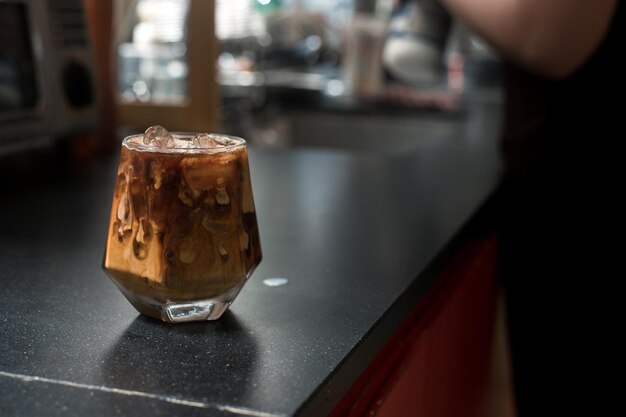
78,75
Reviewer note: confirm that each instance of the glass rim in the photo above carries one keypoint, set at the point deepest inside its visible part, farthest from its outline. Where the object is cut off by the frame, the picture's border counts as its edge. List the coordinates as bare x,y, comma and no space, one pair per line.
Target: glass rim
135,143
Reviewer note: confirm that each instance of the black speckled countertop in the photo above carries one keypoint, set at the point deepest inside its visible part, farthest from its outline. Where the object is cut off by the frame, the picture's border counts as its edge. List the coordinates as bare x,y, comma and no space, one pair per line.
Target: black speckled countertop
353,232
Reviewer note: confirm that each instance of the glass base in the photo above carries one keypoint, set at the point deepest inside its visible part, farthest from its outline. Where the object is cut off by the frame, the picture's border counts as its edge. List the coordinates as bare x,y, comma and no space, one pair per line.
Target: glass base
161,306
199,310
194,311
180,312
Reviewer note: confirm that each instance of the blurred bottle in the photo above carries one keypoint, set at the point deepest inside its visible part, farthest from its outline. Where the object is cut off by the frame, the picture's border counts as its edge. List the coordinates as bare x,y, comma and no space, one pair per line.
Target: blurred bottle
416,39
362,67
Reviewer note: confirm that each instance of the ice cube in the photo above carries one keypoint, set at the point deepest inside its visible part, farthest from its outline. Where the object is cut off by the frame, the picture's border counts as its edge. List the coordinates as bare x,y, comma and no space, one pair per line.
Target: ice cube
204,141
159,137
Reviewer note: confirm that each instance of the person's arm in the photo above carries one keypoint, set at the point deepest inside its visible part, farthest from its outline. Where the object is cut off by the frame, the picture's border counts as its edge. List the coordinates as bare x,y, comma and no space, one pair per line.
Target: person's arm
551,37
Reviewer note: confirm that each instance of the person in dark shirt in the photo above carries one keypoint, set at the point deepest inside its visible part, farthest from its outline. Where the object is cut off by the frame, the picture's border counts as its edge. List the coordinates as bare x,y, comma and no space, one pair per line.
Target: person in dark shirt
562,209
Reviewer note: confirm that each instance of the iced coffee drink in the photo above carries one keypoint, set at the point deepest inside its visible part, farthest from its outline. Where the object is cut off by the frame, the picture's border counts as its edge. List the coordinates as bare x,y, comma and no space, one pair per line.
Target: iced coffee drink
183,235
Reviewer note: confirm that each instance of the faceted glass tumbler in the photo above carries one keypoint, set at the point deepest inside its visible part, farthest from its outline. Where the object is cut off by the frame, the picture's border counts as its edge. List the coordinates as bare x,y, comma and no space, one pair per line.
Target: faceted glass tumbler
183,235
